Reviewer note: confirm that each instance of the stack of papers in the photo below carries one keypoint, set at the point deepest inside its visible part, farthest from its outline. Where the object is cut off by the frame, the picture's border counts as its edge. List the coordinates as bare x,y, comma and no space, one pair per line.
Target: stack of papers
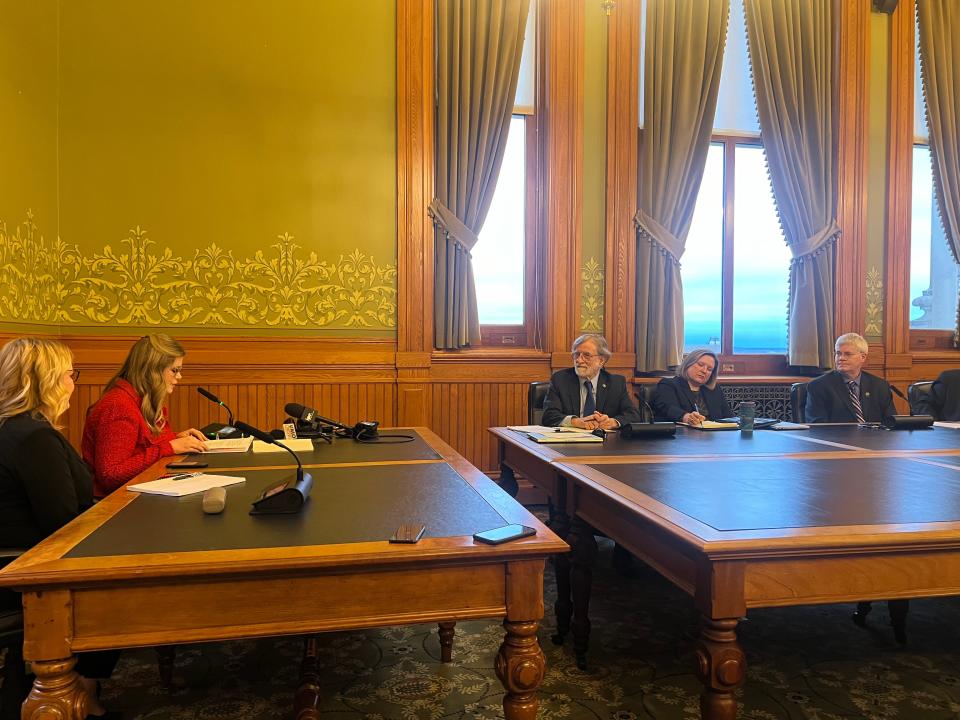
544,434
227,446
713,425
944,424
188,484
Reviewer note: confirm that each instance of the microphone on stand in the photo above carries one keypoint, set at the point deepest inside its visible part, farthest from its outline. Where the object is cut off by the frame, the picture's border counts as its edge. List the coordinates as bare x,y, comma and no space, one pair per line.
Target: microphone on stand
286,496
896,391
214,430
309,415
907,422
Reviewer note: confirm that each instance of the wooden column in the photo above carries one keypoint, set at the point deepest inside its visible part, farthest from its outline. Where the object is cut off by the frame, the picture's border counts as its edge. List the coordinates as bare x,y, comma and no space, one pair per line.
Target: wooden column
623,63
896,311
415,186
563,99
854,57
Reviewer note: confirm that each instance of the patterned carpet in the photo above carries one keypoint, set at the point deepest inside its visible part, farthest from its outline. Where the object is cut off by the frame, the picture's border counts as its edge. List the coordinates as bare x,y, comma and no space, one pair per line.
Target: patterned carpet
804,663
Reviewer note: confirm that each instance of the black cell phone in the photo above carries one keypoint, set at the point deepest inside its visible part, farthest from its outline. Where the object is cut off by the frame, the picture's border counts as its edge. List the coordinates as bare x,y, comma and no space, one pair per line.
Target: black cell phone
186,465
504,534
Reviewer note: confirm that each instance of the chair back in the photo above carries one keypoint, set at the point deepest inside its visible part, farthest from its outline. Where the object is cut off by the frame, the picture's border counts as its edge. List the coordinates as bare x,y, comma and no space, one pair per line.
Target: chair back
535,397
645,393
918,393
798,402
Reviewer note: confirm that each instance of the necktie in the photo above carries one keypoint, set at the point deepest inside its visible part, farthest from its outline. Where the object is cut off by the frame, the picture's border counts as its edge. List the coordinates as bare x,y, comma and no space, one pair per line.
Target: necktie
590,404
855,399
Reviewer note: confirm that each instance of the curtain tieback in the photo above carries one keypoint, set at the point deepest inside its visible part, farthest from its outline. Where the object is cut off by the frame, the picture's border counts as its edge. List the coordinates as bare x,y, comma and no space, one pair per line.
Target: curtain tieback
809,246
452,226
659,235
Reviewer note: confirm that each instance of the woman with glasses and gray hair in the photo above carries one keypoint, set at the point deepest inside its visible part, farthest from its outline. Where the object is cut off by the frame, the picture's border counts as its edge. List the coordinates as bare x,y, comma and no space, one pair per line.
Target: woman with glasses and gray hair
692,396
128,429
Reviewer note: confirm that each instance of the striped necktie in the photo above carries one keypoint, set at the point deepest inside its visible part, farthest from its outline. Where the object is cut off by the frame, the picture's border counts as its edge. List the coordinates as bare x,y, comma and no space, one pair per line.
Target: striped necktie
855,399
590,403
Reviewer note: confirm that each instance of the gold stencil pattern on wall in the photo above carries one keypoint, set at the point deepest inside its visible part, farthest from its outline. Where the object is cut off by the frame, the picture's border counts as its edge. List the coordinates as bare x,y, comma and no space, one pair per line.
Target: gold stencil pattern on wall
143,284
591,296
874,325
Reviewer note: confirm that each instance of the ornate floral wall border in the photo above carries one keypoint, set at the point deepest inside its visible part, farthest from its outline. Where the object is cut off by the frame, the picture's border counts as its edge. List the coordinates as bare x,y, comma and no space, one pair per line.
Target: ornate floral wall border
143,284
591,296
874,306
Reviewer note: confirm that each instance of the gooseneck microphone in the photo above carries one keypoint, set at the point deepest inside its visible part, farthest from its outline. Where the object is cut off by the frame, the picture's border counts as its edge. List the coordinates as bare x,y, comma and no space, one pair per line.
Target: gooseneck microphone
896,391
213,398
309,415
268,438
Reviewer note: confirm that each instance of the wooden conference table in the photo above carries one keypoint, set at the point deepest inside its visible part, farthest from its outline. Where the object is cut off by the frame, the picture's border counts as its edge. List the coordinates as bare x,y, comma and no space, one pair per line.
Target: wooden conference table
143,570
833,514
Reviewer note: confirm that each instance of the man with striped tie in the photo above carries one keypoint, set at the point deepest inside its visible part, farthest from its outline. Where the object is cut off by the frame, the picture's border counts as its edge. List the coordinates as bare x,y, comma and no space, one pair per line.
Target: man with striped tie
848,394
586,395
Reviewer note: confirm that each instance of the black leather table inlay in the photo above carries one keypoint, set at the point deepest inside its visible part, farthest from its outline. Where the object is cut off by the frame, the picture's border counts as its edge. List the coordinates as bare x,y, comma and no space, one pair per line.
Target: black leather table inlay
695,442
796,493
347,505
870,438
342,450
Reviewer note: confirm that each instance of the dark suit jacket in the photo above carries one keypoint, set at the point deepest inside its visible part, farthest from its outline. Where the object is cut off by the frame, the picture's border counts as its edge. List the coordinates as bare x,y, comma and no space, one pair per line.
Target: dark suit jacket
673,399
43,482
943,402
563,398
829,401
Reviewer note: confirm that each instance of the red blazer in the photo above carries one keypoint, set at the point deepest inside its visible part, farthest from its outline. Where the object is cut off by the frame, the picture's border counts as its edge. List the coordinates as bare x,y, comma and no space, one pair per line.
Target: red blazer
117,442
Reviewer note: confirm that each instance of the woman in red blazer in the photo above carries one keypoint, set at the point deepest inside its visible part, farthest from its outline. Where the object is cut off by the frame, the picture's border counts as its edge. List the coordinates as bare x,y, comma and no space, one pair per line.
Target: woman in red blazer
128,429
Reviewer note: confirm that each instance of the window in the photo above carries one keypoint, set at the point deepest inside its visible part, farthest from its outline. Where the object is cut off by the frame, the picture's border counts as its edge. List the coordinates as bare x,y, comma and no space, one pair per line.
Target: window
503,258
735,268
933,271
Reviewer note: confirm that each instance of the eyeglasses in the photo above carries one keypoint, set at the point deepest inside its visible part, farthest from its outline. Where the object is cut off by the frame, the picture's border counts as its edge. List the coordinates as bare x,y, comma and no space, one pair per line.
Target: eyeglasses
585,355
178,371
74,375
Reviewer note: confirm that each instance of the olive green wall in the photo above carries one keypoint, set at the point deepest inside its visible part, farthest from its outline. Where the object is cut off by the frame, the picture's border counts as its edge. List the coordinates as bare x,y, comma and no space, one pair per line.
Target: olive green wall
593,225
28,153
877,143
223,166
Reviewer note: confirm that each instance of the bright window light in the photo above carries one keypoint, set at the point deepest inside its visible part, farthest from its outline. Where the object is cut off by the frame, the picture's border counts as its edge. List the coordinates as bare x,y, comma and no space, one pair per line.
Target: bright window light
499,252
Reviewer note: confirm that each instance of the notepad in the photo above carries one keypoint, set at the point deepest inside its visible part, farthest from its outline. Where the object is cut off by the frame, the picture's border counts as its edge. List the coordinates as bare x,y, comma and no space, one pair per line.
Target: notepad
564,437
186,486
713,425
228,445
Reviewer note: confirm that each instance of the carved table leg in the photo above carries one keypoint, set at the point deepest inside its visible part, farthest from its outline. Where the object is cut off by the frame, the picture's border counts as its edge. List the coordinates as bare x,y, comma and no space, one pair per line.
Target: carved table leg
446,640
583,556
563,607
57,693
306,700
520,665
721,667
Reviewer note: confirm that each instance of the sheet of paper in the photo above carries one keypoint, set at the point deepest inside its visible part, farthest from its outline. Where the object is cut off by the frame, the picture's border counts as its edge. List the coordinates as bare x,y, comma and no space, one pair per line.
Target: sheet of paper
712,425
297,445
546,429
185,486
944,424
229,445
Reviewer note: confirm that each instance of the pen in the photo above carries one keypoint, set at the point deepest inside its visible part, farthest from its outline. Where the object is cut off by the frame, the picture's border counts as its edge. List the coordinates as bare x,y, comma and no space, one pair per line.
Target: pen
181,476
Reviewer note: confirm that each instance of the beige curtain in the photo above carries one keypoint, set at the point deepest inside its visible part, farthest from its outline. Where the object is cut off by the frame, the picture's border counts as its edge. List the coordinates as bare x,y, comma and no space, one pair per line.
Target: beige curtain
683,58
792,54
479,44
939,22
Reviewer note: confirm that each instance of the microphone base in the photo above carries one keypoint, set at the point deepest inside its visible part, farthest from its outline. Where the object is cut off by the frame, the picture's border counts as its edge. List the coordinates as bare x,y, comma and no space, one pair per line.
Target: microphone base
909,422
285,498
215,431
643,431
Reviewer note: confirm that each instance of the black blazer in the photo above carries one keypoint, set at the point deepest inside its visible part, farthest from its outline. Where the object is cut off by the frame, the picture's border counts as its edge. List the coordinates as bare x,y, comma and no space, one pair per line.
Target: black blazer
943,401
673,399
44,483
829,401
563,398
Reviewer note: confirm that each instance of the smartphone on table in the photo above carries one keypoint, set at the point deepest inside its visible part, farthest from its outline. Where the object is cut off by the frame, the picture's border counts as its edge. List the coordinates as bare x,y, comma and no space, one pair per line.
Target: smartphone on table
504,534
186,465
